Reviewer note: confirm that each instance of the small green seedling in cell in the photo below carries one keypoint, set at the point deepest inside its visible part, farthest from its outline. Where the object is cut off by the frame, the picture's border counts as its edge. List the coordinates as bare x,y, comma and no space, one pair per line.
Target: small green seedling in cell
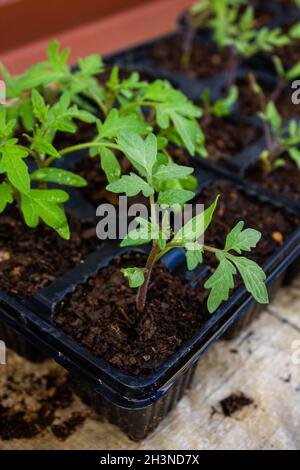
280,138
220,108
168,109
149,179
285,76
233,29
199,16
116,103
29,189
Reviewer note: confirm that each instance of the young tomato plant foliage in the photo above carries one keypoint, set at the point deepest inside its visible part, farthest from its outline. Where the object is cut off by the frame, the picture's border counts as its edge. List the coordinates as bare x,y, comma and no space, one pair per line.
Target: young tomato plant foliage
29,188
233,27
280,138
115,102
222,107
149,179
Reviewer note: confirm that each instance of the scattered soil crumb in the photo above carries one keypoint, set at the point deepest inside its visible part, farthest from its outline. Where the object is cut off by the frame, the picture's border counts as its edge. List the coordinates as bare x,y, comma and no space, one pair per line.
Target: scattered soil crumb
287,379
233,351
34,400
62,430
234,403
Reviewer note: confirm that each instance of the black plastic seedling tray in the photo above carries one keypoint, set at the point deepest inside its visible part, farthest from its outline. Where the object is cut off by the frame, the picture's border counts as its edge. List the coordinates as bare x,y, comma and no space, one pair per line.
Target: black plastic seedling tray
139,58
137,405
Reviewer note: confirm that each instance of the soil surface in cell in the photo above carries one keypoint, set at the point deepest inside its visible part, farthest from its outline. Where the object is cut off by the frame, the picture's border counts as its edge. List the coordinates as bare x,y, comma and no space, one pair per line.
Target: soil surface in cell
234,205
249,103
101,315
226,137
205,61
283,180
30,259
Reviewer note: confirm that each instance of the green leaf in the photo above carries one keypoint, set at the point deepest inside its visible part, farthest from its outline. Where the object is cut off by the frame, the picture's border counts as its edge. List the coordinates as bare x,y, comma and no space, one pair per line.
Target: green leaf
173,105
279,67
6,196
115,124
140,235
196,226
171,172
30,212
142,154
46,205
194,255
294,31
44,147
91,65
14,166
40,110
295,155
223,107
189,131
253,277
110,164
135,276
173,197
55,57
7,126
59,176
151,151
131,185
81,115
293,128
220,283
293,72
26,114
242,240
37,76
273,116
190,183
53,196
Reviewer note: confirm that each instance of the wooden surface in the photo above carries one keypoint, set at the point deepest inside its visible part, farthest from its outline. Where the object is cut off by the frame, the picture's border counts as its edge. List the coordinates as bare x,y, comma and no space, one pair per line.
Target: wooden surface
103,36
31,20
261,363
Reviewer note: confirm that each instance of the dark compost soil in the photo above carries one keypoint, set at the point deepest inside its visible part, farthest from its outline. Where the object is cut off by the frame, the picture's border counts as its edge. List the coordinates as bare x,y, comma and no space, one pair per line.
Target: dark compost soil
101,316
234,403
95,192
290,54
33,402
226,137
284,180
263,13
275,225
30,259
249,103
205,61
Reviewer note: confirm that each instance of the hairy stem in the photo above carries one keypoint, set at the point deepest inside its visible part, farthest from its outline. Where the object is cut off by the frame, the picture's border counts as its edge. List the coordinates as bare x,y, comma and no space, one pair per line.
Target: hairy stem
139,104
143,289
277,151
88,145
232,70
187,48
268,137
277,91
